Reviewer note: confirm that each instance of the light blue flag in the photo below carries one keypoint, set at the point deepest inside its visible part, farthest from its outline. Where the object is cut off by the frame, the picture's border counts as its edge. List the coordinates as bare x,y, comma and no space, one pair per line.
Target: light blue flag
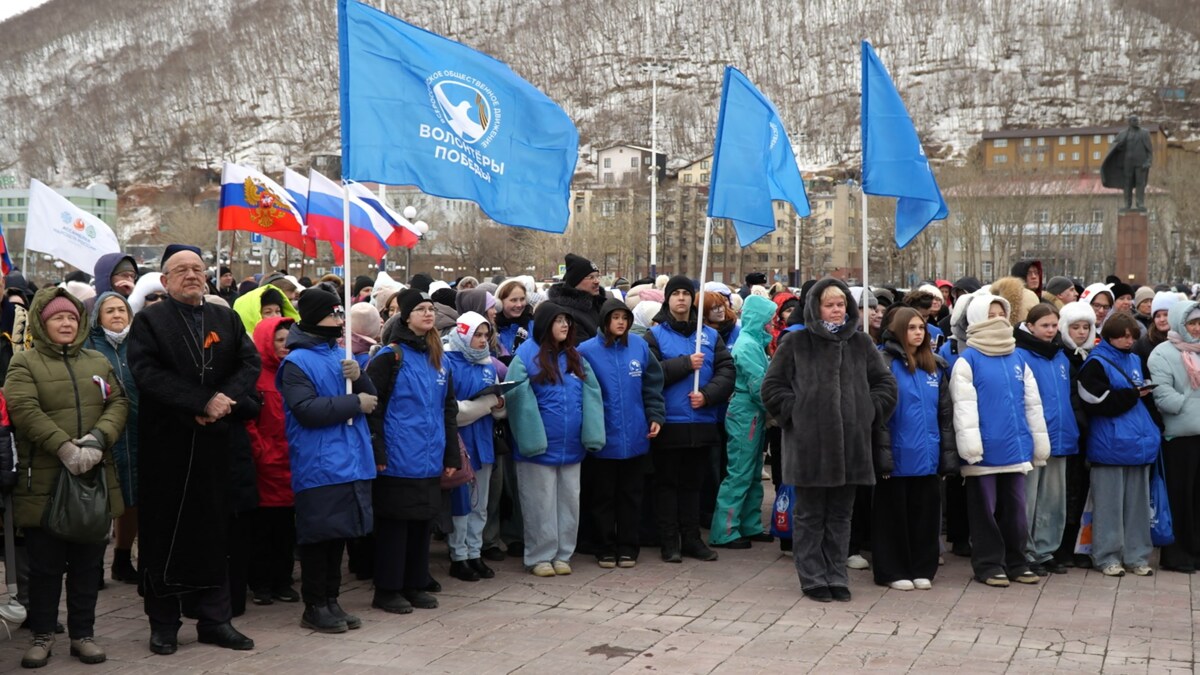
419,109
753,162
894,163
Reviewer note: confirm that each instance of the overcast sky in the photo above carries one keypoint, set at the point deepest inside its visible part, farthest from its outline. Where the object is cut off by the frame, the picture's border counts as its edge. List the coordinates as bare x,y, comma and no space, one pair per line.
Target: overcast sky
12,7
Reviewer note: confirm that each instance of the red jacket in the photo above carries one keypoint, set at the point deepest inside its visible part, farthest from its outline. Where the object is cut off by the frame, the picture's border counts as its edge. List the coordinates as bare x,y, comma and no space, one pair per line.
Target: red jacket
777,324
268,435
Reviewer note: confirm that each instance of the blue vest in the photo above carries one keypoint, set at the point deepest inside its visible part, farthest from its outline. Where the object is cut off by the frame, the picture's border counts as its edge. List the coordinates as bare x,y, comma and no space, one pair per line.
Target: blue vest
618,369
1054,384
916,438
505,336
414,424
1000,394
561,408
331,455
671,345
1131,438
468,379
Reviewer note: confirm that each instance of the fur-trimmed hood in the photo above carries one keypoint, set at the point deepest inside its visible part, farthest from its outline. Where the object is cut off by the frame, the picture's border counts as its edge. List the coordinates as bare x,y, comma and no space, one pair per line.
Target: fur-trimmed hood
812,310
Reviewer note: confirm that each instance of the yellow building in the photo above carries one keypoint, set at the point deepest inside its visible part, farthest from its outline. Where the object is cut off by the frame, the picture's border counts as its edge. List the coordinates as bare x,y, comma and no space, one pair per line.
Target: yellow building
1065,150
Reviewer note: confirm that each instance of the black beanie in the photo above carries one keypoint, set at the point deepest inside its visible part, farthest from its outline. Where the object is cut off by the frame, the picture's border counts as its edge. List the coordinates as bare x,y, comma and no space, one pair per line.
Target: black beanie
360,282
578,268
677,282
756,279
445,296
272,296
408,299
316,304
421,281
225,270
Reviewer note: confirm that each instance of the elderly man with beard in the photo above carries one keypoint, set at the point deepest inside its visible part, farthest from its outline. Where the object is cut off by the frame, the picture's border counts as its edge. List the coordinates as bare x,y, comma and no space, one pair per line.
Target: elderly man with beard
196,370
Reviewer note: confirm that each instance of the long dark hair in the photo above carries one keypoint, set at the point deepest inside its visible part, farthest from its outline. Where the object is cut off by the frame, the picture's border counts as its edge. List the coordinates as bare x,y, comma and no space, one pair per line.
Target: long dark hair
922,356
547,358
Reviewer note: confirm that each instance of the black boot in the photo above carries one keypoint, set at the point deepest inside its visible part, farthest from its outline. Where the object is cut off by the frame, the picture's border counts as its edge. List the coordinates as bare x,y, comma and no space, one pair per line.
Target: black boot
481,568
693,547
352,622
321,619
670,548
459,569
122,567
391,601
224,635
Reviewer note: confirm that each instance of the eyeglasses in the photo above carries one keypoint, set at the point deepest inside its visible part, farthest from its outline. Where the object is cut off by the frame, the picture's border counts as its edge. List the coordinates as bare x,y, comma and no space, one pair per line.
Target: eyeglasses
562,321
155,297
1101,305
423,310
339,313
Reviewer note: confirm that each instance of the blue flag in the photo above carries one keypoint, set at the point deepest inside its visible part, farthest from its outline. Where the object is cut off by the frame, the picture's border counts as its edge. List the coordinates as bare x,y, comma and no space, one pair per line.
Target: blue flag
894,163
753,162
419,109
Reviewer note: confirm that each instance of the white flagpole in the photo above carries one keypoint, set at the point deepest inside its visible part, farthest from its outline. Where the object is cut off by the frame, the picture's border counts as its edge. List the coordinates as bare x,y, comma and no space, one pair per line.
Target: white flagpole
700,298
866,289
796,263
346,254
654,172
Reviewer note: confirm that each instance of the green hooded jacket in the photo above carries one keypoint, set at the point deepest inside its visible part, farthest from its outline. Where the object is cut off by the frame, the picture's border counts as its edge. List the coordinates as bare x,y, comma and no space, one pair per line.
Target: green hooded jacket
249,307
54,395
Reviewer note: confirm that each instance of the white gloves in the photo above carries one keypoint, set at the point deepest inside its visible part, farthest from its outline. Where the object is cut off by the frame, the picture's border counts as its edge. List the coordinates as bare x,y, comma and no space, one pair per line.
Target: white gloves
79,460
366,402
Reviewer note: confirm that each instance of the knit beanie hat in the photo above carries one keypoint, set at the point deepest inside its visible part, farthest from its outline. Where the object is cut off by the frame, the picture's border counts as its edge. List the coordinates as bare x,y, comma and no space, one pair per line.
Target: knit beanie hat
271,296
756,279
360,282
420,281
678,282
578,268
1143,293
1058,285
124,265
1163,301
407,301
60,303
315,304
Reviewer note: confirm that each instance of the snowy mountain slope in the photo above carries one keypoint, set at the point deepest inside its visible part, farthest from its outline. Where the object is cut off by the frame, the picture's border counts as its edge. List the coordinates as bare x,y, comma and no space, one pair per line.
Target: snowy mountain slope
130,90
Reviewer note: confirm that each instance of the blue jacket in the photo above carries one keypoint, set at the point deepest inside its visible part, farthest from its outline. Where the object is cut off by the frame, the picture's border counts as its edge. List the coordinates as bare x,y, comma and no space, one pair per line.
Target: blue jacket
553,423
993,411
414,424
322,448
1053,375
914,428
507,334
950,353
671,345
631,383
1120,429
469,378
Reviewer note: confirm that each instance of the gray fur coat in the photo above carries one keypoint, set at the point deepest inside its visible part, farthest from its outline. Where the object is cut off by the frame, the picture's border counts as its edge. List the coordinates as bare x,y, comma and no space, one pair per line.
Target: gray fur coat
827,389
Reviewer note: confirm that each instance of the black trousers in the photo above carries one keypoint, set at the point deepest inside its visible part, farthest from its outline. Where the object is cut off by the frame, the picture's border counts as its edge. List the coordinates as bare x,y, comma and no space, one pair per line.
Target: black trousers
999,530
906,521
210,606
50,558
678,473
610,504
860,520
274,549
241,544
1181,457
321,571
402,554
958,529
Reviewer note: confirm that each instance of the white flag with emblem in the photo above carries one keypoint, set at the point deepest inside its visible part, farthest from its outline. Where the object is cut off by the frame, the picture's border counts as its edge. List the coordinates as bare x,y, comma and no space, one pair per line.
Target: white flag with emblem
65,231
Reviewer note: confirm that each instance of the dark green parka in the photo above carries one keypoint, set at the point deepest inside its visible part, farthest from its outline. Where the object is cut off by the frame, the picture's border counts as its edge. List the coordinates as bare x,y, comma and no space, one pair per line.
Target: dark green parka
54,396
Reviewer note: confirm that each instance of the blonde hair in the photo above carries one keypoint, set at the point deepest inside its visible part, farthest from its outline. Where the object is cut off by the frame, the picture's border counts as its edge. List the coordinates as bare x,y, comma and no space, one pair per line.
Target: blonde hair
829,291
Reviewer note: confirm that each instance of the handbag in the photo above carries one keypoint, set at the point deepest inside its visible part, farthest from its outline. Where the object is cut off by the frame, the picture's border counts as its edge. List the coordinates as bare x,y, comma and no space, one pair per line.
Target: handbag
781,519
77,508
1162,526
464,475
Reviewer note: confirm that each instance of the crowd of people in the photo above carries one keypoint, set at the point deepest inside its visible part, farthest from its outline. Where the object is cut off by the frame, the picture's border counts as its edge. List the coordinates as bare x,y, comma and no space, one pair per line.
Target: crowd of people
229,435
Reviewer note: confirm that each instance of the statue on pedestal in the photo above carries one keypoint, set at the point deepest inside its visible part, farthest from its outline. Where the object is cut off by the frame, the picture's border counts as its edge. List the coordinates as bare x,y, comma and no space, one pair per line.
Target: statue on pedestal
1127,165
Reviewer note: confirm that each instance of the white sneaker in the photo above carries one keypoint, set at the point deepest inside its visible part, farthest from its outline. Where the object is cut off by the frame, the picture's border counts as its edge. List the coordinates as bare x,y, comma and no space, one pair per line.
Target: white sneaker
902,585
922,584
1143,571
1113,570
857,562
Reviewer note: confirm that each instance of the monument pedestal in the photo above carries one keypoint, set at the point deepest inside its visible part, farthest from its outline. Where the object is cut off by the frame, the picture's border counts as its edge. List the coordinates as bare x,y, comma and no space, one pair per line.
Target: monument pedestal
1133,247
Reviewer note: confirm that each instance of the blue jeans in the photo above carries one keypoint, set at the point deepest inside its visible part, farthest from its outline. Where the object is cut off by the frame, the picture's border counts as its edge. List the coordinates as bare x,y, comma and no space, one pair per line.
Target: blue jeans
1121,515
1045,509
466,540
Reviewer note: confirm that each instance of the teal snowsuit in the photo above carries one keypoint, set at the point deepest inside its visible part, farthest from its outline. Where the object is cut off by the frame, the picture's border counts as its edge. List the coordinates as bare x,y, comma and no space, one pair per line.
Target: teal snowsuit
739,502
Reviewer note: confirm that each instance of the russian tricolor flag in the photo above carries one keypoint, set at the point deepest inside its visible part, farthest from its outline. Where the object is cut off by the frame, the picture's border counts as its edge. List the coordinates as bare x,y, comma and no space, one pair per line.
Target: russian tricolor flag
403,233
6,265
369,230
254,203
297,186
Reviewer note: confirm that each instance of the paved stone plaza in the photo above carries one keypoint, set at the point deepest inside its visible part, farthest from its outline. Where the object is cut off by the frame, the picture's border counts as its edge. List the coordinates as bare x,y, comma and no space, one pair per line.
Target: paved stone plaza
742,614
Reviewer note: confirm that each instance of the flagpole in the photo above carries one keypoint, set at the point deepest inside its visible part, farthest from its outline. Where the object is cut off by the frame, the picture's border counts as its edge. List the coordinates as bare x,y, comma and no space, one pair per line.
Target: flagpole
700,298
654,171
346,257
866,289
796,259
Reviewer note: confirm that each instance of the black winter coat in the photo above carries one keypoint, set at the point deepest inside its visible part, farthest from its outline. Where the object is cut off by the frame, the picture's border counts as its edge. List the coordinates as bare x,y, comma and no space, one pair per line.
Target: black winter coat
583,306
827,390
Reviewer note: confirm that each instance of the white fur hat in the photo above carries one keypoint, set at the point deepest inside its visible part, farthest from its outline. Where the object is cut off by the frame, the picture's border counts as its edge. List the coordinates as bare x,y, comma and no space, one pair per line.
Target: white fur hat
978,309
1073,312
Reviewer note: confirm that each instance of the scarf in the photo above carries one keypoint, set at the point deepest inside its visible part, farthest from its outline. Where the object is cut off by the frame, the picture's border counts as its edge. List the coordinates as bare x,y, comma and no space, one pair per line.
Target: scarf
115,338
477,356
1188,350
833,327
993,337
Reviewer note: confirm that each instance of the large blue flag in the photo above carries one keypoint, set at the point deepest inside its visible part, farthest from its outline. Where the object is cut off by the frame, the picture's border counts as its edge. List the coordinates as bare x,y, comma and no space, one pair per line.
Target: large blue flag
753,162
894,163
419,109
